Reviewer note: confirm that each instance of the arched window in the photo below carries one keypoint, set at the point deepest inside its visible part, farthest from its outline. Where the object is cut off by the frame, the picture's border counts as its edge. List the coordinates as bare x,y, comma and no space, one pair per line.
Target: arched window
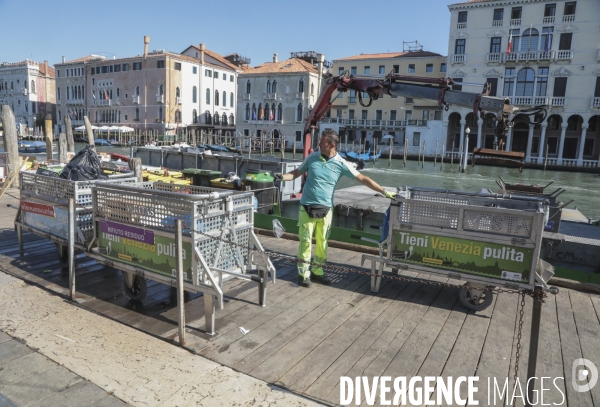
207,96
301,85
268,86
68,93
525,82
273,111
248,87
224,119
274,87
267,112
161,90
216,99
254,116
208,117
530,40
160,114
177,116
32,86
194,116
137,113
225,99
247,111
177,92
231,100
231,121
217,119
261,112
279,112
312,88
137,90
299,113
12,87
194,94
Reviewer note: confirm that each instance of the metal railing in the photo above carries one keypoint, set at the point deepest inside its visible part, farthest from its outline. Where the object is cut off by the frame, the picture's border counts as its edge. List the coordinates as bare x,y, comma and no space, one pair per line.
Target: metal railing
595,102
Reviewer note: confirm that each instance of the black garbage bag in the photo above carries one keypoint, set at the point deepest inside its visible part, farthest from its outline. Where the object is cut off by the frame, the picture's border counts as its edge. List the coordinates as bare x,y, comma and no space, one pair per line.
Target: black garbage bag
84,166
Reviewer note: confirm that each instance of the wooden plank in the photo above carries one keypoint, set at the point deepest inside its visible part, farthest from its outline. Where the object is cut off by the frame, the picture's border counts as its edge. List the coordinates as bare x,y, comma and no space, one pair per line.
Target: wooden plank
329,350
335,313
588,331
287,326
467,349
368,345
570,347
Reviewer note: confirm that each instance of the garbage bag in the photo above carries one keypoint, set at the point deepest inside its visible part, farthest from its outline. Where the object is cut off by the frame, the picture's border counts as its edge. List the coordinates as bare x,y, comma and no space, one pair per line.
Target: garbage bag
85,165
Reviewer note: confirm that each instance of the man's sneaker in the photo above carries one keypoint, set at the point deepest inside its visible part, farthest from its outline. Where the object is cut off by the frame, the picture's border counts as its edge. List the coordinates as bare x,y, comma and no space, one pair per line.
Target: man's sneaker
320,279
304,282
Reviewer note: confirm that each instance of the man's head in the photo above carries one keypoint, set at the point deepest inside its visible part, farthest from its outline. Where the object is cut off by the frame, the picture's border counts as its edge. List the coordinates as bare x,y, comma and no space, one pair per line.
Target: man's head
328,143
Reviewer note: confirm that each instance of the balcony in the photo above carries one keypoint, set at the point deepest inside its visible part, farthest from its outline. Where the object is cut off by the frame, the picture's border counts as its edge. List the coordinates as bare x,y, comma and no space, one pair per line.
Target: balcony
497,23
595,103
299,95
564,55
569,18
494,58
246,96
558,101
599,55
103,102
548,20
459,59
160,98
461,26
136,100
270,96
25,92
515,22
526,56
178,100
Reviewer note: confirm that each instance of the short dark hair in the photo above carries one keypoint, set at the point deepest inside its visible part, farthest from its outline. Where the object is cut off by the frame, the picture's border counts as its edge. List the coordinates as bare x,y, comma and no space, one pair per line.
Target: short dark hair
332,136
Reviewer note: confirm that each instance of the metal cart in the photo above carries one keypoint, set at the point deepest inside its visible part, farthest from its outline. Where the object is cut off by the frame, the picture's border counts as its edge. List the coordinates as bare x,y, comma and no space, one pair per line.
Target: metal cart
134,231
486,240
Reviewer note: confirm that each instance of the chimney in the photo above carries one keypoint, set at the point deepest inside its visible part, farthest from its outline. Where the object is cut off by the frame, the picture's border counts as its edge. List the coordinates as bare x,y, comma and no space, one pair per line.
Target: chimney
64,59
146,42
275,57
202,48
46,67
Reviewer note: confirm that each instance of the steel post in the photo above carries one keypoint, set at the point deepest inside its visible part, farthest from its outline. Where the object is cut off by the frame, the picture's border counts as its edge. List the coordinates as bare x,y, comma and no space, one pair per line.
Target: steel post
536,319
180,296
209,313
71,248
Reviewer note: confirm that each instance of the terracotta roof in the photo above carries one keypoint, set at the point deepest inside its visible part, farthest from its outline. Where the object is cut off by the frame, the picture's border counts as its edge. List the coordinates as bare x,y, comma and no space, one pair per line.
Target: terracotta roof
292,65
50,71
216,56
390,55
85,59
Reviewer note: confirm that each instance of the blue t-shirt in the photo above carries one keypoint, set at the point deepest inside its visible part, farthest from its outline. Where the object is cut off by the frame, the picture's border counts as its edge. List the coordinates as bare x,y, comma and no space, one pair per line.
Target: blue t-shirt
323,175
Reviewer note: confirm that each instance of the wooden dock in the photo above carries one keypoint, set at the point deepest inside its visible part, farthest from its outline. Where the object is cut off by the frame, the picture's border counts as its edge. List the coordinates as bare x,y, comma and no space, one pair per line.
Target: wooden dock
304,340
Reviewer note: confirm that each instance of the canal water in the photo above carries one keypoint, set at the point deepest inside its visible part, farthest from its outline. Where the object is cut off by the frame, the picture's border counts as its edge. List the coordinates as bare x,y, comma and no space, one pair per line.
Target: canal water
581,187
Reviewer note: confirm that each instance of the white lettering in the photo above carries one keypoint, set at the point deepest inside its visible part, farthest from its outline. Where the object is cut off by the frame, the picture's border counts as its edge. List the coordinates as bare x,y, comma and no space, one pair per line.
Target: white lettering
345,381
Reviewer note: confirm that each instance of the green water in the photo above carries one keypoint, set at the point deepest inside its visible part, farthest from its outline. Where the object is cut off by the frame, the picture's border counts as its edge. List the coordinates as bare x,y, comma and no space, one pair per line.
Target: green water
581,187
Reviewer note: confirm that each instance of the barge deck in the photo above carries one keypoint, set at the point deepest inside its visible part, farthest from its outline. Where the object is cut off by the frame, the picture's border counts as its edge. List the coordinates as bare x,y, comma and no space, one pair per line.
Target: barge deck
304,340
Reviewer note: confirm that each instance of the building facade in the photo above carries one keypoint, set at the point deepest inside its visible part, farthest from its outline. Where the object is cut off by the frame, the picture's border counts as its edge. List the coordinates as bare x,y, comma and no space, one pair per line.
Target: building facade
275,98
534,53
158,92
399,117
28,87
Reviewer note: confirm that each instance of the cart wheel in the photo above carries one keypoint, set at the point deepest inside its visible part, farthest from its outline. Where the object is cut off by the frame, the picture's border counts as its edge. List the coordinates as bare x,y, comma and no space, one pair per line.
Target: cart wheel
63,254
476,304
139,289
553,290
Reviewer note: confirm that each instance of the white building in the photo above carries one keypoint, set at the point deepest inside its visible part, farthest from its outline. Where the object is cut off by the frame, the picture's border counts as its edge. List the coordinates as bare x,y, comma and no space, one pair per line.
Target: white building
155,93
275,98
28,88
534,53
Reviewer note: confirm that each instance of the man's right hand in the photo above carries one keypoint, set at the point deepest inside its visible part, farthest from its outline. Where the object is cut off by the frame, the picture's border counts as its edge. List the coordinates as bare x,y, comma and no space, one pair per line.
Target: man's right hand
278,176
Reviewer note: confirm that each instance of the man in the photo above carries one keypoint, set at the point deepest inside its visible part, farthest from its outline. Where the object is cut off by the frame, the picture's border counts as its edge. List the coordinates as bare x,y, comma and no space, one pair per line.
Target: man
323,170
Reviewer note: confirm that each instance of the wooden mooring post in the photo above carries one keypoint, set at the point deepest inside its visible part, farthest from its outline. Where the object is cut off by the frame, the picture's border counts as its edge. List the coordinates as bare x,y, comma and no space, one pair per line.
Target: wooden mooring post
49,137
11,143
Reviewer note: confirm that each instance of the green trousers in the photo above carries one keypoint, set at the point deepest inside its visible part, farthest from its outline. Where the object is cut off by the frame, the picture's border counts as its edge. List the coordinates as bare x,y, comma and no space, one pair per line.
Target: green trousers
308,227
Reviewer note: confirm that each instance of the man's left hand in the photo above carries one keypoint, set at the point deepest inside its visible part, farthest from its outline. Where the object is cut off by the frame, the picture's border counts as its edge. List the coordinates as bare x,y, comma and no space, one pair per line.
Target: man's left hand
389,194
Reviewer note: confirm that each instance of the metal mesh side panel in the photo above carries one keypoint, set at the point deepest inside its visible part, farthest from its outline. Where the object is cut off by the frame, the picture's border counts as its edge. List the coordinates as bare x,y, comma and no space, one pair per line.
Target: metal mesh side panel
420,213
57,187
85,222
227,258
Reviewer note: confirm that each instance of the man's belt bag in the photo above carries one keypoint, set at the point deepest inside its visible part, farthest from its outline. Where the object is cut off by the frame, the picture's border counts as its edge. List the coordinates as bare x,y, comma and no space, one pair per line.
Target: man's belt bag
316,211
